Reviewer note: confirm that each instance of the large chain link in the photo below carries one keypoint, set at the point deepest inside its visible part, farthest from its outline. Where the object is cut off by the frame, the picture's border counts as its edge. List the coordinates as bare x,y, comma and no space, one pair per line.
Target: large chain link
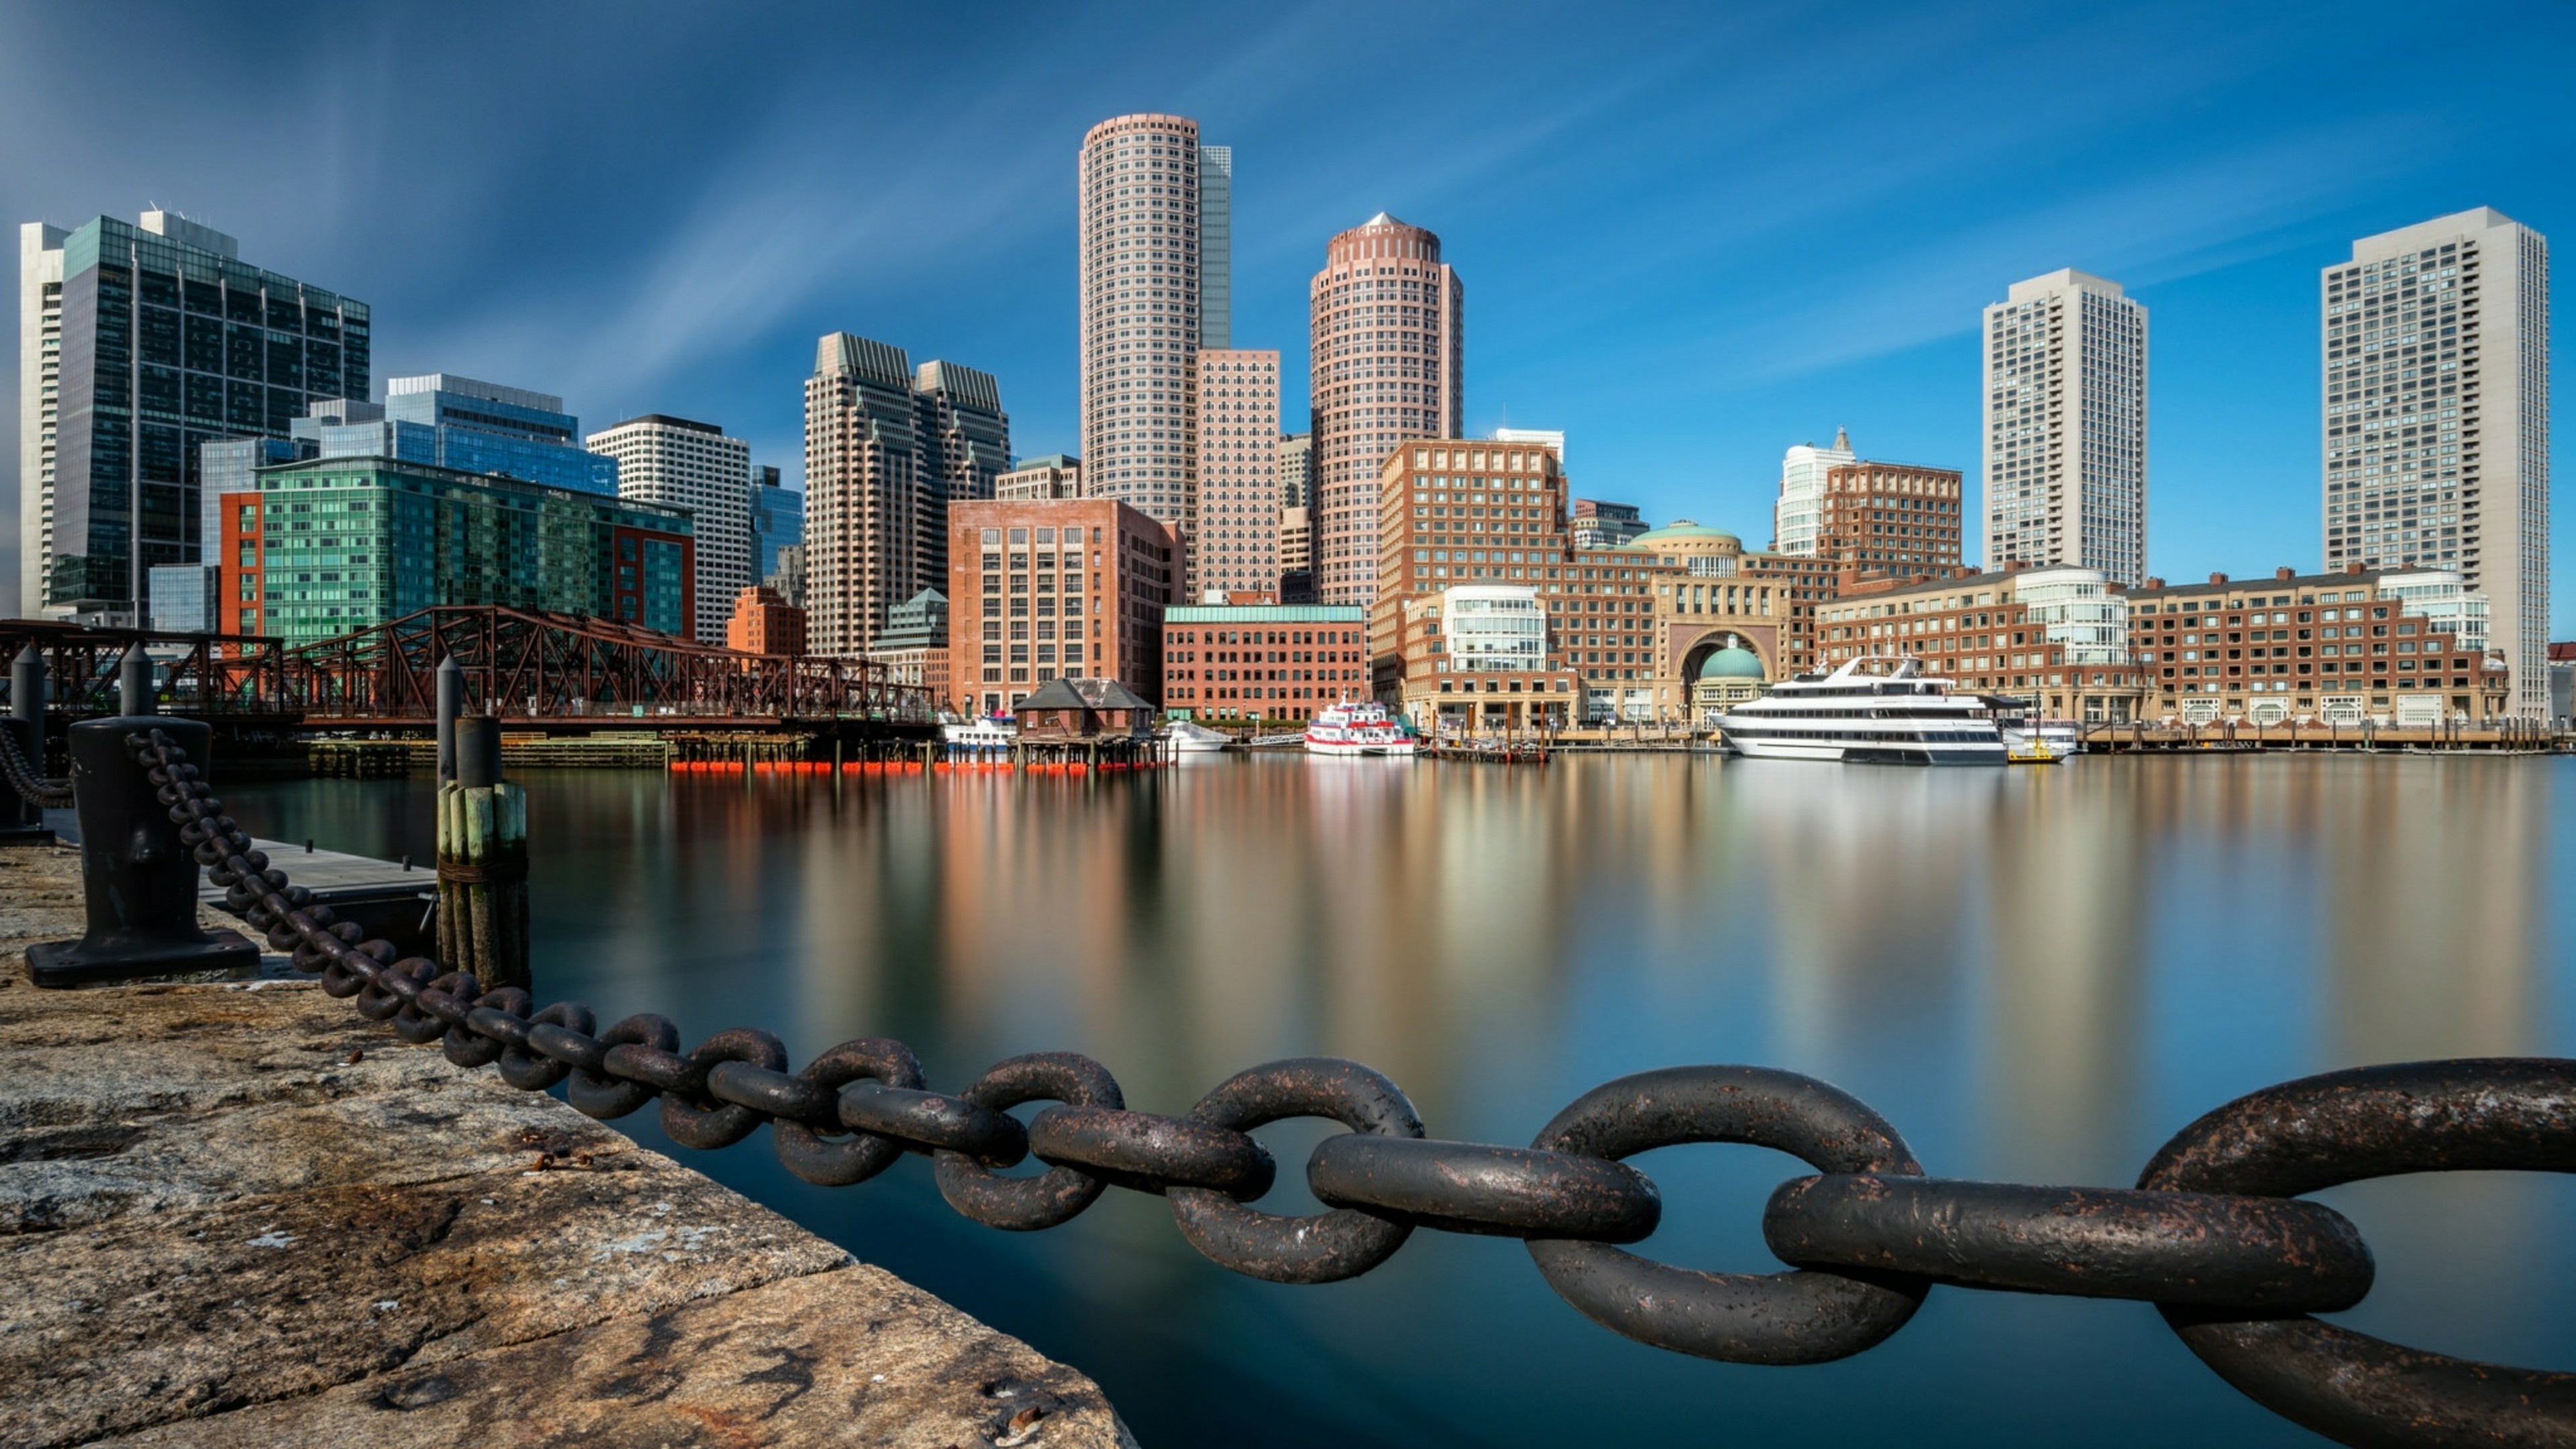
31,787
2215,1232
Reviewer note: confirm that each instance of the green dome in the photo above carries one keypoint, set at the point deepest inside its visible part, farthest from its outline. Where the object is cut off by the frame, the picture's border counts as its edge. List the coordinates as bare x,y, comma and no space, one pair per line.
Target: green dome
1682,528
1733,662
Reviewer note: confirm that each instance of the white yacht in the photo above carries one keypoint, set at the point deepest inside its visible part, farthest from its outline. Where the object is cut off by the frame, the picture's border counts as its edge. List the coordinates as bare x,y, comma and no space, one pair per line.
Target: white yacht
1188,738
1900,717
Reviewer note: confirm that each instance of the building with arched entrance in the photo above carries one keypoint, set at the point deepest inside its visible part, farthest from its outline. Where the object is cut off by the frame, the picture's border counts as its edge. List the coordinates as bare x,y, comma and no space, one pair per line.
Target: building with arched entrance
1726,673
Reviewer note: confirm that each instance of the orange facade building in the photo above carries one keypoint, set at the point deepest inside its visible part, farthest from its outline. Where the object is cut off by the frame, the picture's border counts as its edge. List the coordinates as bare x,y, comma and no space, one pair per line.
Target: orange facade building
764,623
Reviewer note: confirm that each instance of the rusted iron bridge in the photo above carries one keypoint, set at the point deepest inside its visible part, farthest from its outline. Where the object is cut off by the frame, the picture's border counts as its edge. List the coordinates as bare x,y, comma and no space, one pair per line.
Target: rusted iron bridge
529,668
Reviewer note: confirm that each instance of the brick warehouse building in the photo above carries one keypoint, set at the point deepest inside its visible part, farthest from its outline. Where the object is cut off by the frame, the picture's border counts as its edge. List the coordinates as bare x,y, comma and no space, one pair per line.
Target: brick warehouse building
2334,645
1068,588
1263,661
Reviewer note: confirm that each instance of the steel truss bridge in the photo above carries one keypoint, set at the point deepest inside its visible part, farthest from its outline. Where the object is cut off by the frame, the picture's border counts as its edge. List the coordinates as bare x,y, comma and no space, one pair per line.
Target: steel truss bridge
527,666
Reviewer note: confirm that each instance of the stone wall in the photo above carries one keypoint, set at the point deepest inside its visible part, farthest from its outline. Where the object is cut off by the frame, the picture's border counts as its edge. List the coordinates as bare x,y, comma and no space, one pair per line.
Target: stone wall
241,1214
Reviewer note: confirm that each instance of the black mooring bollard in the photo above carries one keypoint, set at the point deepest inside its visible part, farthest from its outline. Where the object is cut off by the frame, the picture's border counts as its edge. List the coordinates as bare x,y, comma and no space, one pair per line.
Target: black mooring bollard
138,880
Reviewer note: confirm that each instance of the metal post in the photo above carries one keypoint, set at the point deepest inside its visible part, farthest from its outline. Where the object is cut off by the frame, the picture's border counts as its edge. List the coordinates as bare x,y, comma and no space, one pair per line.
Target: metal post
138,881
483,862
27,699
22,822
134,684
451,703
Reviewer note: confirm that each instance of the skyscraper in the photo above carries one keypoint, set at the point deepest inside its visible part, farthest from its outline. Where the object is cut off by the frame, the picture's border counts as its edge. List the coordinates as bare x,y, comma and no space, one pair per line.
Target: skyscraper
136,346
691,465
966,447
777,521
466,425
886,447
1800,512
1216,247
1154,267
1389,323
2435,343
1238,547
2066,426
1296,469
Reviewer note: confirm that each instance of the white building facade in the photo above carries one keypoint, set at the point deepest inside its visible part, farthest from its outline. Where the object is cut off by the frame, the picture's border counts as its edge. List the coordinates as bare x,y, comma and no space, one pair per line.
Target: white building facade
2080,611
692,465
2435,434
2066,426
1798,518
1154,261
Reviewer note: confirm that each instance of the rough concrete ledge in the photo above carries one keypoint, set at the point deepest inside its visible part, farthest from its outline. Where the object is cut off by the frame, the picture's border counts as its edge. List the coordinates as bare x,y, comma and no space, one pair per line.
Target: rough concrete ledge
239,1214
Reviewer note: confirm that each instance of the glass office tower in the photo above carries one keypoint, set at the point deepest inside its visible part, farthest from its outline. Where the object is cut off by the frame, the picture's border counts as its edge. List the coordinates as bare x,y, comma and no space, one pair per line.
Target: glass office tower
154,339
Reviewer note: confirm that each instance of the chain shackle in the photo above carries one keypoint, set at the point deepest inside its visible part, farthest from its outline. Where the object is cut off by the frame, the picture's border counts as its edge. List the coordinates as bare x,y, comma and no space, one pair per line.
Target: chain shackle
1148,1152
2490,1114
835,1161
1802,1316
1057,1195
1322,1248
706,1125
1468,1187
2087,1242
608,1091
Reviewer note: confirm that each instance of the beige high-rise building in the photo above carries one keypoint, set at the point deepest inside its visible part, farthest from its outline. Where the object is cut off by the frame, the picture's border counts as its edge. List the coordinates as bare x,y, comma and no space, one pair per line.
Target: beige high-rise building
663,459
1034,480
1238,468
2066,426
887,447
1154,264
866,498
2435,340
1296,548
1296,470
1389,320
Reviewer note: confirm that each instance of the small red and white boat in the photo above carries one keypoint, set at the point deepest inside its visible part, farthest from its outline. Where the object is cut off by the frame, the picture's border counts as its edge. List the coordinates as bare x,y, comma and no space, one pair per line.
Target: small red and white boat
1357,727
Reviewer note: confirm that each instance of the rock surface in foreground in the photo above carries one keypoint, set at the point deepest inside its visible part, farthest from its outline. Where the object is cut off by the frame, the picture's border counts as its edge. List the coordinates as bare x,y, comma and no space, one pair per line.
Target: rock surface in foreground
244,1215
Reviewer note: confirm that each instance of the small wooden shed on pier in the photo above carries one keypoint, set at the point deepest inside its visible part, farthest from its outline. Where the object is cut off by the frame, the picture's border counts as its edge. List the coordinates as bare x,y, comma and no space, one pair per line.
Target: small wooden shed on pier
1083,709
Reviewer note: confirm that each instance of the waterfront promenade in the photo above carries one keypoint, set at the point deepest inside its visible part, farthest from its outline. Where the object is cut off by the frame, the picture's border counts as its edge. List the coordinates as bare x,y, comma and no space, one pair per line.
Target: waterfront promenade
241,1214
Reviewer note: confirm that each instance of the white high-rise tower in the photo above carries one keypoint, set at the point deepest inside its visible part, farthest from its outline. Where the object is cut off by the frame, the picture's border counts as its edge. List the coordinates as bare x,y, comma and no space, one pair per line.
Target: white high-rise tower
2066,426
1155,254
2435,343
1798,519
663,459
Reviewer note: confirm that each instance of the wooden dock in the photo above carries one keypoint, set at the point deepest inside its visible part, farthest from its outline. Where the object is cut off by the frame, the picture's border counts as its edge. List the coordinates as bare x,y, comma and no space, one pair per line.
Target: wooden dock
390,899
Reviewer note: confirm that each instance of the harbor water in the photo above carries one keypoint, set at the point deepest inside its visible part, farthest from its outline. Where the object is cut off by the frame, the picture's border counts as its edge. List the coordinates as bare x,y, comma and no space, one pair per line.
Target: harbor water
2036,974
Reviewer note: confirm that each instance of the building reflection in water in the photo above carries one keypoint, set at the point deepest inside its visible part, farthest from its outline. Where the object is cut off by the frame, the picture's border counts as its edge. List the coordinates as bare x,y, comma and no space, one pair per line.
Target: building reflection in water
2037,974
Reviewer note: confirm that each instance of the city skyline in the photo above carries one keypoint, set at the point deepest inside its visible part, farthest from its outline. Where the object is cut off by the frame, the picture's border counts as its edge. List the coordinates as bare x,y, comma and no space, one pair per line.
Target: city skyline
1761,333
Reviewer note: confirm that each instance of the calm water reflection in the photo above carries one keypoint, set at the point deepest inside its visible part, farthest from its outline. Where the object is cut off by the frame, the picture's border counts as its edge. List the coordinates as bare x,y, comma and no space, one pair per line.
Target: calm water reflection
2037,975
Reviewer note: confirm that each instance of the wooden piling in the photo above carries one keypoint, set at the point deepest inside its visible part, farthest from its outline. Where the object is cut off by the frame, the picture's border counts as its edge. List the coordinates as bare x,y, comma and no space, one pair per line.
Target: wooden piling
483,863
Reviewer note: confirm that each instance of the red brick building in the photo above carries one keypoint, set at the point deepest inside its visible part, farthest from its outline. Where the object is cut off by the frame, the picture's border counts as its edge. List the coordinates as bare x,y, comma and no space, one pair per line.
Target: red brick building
1068,588
764,623
1263,661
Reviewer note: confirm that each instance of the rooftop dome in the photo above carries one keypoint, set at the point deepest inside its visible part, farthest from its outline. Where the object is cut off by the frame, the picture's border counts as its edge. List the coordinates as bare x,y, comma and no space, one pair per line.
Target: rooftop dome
1682,529
1733,662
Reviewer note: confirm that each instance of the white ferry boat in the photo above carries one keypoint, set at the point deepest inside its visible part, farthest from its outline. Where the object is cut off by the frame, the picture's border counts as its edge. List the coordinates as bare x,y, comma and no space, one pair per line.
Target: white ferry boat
1195,739
992,732
1358,727
1901,717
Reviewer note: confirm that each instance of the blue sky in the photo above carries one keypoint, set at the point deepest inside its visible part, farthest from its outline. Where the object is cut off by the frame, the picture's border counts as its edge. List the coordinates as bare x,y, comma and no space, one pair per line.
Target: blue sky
1691,236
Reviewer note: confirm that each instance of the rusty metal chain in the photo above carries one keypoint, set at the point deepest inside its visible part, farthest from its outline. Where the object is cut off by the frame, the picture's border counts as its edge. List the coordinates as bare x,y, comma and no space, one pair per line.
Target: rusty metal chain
31,787
2215,1233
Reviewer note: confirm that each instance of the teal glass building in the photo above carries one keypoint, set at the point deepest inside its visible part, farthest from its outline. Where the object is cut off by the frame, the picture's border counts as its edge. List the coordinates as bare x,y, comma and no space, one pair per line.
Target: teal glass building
341,544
